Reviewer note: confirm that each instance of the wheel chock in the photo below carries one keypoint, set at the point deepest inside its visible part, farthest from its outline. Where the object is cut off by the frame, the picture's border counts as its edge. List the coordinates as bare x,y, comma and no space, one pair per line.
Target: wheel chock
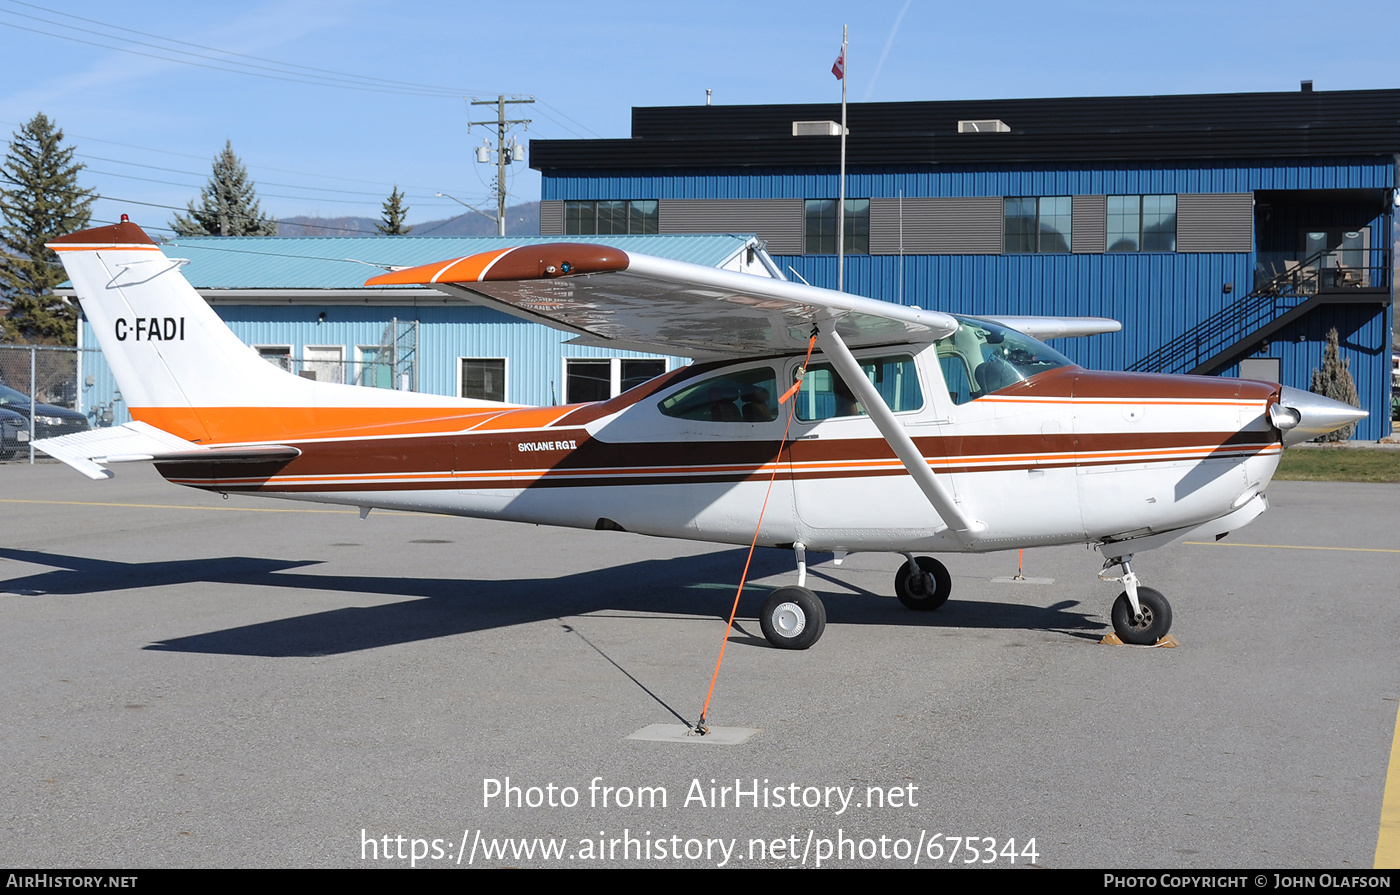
1167,642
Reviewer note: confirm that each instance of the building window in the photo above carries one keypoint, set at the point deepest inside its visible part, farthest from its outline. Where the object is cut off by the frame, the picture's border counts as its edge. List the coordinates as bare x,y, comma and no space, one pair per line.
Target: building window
484,378
278,355
600,378
633,371
607,217
1037,224
1142,223
323,363
820,230
372,372
587,379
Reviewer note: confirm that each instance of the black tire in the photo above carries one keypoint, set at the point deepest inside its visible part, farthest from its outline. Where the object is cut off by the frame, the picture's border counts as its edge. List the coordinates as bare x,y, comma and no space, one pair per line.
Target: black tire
928,589
792,618
1156,617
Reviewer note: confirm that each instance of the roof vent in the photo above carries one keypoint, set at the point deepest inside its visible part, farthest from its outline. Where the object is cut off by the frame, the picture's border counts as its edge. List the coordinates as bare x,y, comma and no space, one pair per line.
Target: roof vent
817,129
1306,86
987,126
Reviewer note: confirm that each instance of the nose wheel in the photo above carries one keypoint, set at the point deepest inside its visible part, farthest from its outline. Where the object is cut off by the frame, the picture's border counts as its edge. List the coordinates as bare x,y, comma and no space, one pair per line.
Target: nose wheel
1147,626
1141,615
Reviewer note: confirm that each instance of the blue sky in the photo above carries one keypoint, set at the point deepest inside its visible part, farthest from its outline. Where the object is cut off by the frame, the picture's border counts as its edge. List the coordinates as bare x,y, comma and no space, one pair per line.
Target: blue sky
148,126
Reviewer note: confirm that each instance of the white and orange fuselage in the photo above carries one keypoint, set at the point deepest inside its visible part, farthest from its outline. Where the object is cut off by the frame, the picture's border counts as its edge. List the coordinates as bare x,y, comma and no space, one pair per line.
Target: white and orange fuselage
1084,457
1065,456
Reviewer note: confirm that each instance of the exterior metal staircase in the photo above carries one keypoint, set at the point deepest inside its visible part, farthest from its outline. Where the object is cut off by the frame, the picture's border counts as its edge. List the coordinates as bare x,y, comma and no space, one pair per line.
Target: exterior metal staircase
1234,332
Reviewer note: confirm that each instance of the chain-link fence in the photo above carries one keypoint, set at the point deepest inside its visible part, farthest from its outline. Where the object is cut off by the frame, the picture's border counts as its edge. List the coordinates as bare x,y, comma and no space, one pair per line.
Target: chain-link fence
327,368
392,364
46,392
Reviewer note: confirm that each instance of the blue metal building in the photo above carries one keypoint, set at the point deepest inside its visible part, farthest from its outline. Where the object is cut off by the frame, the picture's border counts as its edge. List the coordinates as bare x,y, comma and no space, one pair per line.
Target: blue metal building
1229,233
302,304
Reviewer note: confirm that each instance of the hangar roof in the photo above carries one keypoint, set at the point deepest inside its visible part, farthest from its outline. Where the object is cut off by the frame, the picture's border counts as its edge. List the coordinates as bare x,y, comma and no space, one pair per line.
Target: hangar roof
1343,123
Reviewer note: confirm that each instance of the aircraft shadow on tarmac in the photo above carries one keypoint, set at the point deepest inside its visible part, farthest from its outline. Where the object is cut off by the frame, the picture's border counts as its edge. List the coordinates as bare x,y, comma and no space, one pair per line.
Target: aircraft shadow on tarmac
689,587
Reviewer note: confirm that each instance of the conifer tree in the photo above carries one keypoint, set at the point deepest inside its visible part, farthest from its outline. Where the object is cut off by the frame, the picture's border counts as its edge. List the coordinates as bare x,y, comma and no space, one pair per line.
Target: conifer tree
1334,381
228,205
394,212
40,199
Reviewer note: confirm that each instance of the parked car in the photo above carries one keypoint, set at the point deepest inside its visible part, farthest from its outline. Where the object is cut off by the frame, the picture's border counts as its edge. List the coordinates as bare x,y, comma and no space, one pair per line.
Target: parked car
14,433
50,419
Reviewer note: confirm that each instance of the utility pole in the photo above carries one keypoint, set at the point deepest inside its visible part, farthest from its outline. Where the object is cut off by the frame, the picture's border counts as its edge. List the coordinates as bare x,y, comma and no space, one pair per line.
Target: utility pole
504,154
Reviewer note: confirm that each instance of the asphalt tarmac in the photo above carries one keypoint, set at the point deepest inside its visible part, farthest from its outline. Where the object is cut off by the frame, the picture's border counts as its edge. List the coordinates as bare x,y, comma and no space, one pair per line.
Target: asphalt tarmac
197,682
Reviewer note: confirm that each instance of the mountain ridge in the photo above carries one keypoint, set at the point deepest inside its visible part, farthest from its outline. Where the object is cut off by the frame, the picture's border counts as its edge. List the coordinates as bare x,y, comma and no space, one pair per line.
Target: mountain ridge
521,220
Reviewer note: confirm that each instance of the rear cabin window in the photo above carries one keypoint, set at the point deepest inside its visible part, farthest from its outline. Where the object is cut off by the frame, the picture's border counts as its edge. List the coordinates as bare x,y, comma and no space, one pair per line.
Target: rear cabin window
744,396
824,396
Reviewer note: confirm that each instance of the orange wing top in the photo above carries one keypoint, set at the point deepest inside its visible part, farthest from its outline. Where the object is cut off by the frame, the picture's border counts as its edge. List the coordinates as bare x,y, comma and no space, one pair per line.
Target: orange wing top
532,262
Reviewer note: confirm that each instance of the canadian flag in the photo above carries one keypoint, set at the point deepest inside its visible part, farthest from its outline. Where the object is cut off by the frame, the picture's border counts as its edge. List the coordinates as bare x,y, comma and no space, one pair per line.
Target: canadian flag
839,69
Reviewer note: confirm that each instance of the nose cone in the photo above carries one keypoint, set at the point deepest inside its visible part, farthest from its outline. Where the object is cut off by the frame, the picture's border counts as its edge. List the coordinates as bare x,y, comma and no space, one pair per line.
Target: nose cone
1302,416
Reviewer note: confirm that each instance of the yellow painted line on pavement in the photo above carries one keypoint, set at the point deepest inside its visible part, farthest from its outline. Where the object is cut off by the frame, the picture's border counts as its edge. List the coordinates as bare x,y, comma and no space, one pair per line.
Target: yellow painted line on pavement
1388,839
1293,547
161,506
1388,842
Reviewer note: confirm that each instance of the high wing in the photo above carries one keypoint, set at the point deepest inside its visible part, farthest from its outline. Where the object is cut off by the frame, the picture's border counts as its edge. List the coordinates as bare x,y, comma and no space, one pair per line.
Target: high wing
606,296
610,297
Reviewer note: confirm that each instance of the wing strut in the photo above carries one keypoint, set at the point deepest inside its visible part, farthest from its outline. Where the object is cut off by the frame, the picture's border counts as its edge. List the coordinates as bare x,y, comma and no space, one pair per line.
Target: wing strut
846,364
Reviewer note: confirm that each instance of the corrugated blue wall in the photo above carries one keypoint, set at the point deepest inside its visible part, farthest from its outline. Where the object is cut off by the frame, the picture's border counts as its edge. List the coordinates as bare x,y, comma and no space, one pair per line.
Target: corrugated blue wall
535,353
1145,288
1157,296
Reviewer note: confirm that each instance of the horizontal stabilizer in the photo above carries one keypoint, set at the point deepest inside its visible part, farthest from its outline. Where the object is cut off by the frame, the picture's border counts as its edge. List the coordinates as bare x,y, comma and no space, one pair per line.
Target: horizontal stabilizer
89,452
260,453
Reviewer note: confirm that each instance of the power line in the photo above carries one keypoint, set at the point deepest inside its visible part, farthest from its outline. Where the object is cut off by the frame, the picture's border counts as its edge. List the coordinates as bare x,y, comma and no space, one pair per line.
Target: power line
451,91
295,186
421,201
418,199
284,72
565,126
260,193
205,158
99,197
92,43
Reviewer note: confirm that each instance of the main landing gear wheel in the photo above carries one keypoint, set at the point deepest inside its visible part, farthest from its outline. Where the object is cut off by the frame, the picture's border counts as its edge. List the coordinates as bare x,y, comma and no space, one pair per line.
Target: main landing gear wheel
1156,618
926,589
792,618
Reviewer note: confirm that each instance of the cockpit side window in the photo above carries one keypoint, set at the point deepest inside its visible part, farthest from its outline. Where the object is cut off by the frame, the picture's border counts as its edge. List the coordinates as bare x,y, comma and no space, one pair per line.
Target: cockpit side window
743,396
982,357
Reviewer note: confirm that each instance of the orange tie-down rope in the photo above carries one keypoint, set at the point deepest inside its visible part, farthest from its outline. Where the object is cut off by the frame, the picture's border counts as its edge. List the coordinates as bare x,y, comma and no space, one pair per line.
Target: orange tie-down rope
700,727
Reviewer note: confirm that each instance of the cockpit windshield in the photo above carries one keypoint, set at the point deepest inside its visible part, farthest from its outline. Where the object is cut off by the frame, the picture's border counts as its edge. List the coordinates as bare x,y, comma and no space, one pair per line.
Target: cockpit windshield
982,357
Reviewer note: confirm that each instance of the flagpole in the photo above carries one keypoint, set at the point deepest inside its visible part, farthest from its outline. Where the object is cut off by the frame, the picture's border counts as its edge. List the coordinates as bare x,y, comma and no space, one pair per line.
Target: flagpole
841,201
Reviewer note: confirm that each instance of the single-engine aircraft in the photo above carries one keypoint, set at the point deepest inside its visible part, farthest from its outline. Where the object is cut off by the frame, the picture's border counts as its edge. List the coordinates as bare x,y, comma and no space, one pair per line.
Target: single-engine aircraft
907,430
